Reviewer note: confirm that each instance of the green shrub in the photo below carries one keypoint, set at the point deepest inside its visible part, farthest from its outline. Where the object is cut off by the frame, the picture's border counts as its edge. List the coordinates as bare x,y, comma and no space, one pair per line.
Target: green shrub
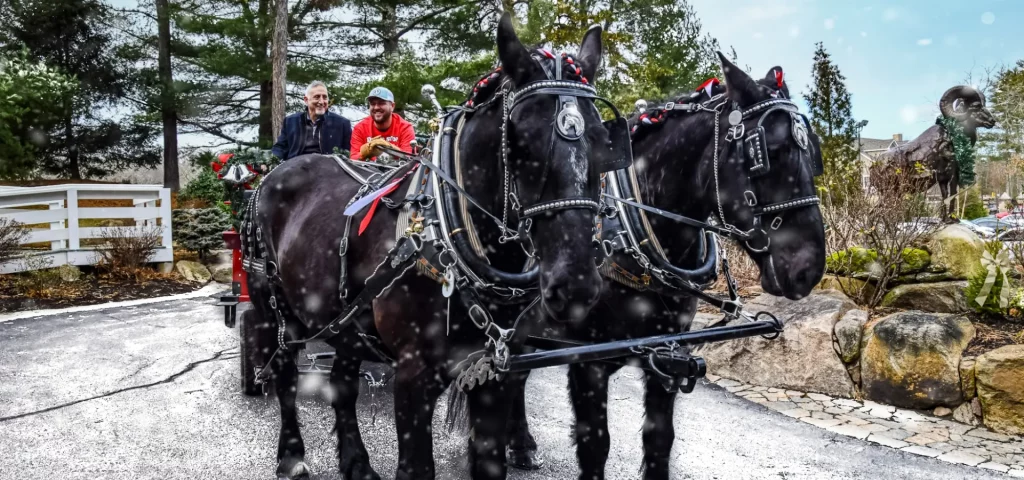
205,187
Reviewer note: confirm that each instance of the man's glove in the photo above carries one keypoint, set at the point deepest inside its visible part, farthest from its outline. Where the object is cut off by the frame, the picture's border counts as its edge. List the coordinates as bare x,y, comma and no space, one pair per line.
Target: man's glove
373,148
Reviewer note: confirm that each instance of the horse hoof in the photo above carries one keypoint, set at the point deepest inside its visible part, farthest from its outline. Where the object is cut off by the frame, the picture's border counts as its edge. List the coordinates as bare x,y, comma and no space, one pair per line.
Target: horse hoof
292,469
524,459
360,471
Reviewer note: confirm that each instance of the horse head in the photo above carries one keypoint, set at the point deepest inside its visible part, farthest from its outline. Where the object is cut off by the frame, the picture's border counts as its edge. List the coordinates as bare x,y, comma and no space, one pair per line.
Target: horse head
553,146
766,178
967,105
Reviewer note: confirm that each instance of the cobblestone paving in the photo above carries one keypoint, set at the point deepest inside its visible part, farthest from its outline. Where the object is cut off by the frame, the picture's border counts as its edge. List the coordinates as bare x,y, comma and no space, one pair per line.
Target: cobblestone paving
907,430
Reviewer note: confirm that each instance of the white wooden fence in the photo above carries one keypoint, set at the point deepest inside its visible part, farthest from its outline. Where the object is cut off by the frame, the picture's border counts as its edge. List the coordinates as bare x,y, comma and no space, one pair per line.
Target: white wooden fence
64,214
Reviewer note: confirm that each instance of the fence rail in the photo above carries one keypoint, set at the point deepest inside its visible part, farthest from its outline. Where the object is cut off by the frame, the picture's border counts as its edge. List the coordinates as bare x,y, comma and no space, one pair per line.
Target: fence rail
64,218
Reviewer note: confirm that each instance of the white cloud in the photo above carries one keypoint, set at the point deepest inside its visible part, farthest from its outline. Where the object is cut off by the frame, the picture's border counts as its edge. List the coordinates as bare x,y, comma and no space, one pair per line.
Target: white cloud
761,13
863,34
890,14
840,40
758,35
924,42
830,23
849,49
912,114
794,32
988,18
909,114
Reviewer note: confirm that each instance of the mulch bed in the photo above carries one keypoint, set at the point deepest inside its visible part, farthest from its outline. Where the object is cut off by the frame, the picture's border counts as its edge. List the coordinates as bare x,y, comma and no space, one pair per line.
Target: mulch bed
994,332
89,290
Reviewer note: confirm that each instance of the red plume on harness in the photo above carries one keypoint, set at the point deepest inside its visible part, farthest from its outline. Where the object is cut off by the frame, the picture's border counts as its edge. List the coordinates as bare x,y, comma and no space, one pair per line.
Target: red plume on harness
708,85
778,77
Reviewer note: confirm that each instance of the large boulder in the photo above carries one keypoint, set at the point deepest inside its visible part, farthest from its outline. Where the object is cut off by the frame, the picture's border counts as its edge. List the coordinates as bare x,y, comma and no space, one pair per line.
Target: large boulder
69,273
912,359
956,249
801,358
941,297
222,274
193,271
848,332
999,375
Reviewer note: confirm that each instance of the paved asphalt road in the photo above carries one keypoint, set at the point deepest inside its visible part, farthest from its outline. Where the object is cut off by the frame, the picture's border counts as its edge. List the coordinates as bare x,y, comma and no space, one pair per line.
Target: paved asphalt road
150,392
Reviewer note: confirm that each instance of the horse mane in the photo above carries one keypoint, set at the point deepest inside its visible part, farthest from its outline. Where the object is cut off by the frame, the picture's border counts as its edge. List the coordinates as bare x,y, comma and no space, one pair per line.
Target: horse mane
485,88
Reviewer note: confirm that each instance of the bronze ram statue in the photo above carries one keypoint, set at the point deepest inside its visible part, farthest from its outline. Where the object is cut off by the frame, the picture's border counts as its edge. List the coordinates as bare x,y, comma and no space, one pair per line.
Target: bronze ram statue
932,157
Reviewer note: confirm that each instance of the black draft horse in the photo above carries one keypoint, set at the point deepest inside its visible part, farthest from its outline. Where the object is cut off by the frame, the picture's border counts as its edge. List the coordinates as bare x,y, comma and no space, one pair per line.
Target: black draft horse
677,171
298,216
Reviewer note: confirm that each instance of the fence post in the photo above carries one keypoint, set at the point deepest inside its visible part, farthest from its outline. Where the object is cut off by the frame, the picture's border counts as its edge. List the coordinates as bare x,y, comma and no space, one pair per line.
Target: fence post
59,225
73,232
165,222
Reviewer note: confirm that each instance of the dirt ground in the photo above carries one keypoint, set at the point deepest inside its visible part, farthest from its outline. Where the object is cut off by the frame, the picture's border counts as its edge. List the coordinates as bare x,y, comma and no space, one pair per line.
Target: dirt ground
32,291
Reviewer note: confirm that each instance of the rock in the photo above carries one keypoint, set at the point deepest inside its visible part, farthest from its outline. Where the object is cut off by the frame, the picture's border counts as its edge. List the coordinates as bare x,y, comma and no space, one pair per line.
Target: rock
956,249
69,273
965,414
999,375
912,359
914,260
967,384
942,297
942,412
855,288
848,332
801,358
923,277
193,271
222,275
852,260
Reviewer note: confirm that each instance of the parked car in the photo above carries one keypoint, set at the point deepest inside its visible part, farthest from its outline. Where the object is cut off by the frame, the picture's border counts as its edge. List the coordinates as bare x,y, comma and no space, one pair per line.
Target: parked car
981,230
1011,235
920,224
995,224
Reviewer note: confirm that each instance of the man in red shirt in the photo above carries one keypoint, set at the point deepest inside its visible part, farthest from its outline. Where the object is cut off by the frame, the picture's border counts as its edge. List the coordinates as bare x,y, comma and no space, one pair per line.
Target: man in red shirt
382,122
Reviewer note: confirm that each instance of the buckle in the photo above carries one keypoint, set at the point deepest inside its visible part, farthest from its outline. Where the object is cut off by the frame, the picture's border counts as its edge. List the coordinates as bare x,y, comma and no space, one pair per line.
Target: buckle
670,106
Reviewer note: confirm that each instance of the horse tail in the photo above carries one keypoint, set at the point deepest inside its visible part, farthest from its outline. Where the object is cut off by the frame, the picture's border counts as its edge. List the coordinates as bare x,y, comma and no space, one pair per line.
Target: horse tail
456,418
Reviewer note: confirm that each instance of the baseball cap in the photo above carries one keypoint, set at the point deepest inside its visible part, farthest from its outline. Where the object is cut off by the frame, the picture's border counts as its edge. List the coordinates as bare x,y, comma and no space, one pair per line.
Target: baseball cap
381,93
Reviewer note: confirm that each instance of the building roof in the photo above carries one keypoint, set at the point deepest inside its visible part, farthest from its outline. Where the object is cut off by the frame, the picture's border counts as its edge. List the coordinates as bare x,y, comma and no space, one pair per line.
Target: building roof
880,144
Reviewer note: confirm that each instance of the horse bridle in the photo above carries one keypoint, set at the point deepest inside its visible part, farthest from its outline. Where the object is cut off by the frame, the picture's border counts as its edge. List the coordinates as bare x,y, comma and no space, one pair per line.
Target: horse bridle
567,116
753,151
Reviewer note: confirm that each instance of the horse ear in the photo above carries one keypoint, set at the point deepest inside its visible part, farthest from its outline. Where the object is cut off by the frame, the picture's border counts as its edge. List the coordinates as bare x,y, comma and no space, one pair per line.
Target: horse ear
590,52
739,86
777,79
515,60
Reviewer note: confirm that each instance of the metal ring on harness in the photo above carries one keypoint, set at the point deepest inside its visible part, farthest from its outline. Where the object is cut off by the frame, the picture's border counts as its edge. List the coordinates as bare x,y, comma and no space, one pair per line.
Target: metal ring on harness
766,245
486,318
451,255
778,325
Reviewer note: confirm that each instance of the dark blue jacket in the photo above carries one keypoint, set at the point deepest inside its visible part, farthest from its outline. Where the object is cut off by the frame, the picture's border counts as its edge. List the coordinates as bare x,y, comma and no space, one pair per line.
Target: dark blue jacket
335,132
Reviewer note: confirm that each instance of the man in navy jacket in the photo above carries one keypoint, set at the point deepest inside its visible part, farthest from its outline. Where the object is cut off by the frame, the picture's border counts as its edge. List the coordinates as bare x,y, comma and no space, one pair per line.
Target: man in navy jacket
314,131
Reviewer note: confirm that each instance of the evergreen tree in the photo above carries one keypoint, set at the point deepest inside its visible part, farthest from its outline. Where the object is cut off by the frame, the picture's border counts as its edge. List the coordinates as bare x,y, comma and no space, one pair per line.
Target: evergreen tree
1006,101
200,230
830,114
973,206
70,35
30,97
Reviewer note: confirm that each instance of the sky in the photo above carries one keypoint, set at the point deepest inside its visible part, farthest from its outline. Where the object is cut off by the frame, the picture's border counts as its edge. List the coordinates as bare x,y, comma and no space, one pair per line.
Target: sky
898,57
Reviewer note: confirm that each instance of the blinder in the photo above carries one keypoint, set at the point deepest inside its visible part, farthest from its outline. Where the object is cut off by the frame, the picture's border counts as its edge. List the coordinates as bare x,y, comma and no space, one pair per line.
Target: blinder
755,145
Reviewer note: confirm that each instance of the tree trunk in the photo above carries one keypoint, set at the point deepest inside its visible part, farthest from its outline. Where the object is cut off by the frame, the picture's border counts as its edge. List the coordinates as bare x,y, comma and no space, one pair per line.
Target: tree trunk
73,169
279,59
167,98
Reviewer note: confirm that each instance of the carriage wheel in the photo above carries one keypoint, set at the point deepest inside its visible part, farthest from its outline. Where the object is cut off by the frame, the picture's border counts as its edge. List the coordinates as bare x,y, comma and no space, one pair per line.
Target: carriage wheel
249,353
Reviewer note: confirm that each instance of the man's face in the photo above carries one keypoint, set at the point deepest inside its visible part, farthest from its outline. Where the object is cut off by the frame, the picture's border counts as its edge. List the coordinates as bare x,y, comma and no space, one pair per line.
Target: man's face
316,100
380,110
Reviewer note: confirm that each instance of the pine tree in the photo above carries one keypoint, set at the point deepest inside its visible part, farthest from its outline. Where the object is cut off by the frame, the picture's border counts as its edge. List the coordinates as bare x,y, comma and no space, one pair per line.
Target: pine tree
830,114
71,36
200,230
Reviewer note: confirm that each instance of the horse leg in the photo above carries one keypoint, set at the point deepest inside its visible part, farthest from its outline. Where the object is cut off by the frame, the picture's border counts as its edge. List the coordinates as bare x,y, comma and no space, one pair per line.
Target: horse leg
588,389
353,460
291,451
489,407
522,448
415,398
659,433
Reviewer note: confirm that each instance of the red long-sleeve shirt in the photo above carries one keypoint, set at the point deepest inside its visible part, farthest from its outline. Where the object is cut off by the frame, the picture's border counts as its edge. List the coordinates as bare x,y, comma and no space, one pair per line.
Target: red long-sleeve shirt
399,134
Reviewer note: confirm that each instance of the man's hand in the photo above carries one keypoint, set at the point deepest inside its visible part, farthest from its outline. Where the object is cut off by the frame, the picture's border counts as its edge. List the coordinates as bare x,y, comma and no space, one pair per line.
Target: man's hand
373,148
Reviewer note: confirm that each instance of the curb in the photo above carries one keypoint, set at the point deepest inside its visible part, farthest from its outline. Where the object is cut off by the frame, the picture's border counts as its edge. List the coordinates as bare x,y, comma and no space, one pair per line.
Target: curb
206,291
